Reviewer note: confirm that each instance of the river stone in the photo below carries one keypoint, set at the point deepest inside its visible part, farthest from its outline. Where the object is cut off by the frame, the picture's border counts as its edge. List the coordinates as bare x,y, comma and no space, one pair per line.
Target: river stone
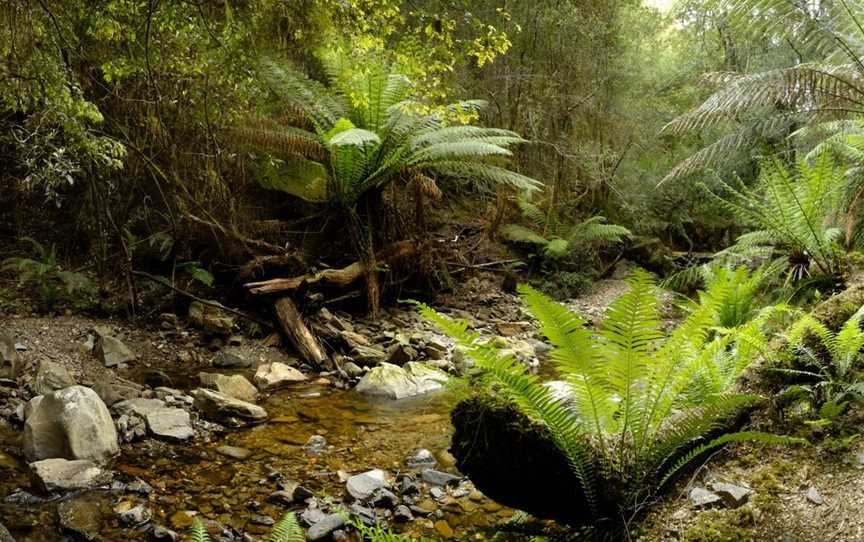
234,452
51,376
56,475
76,517
221,407
10,364
438,478
231,358
395,382
170,423
235,386
136,516
733,495
420,458
139,406
368,355
72,423
362,486
325,526
114,392
271,376
112,352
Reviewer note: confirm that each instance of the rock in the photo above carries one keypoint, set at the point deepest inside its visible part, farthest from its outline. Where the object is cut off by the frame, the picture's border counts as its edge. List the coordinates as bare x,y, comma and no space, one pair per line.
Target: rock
210,318
76,517
325,526
232,358
112,352
395,382
114,392
700,497
363,514
163,534
352,369
420,458
136,516
436,348
10,363
461,360
140,406
362,486
509,329
56,475
368,355
51,376
170,423
384,498
814,496
315,445
272,376
5,536
72,423
402,514
400,354
220,407
157,379
235,386
438,478
130,427
733,495
234,452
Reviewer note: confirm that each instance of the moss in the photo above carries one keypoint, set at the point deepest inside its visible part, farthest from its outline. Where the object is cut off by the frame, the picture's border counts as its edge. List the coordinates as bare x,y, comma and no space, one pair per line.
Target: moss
723,525
835,310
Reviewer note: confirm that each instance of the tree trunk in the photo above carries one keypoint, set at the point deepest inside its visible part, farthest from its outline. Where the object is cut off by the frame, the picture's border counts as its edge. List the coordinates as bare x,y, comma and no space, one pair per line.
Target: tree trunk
304,341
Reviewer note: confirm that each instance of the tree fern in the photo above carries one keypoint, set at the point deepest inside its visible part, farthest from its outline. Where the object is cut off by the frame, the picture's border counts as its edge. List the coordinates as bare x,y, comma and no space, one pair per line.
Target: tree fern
643,404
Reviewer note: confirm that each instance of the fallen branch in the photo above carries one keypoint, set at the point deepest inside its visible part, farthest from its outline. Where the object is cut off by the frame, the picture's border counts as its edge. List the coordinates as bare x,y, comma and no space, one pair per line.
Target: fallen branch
163,282
304,341
335,277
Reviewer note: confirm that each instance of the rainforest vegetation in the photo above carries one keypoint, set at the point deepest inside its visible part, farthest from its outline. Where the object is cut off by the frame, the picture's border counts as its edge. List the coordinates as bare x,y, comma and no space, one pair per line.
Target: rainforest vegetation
396,270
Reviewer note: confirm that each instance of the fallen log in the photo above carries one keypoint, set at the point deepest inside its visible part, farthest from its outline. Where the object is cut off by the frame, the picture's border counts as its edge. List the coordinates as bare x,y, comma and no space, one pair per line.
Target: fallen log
339,278
304,341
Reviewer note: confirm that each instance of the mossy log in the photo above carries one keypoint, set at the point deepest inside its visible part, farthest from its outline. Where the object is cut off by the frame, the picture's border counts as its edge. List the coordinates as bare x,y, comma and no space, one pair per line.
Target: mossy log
834,311
515,462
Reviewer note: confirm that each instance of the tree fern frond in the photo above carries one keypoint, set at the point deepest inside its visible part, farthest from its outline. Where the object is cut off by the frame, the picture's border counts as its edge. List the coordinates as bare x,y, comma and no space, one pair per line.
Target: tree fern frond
521,234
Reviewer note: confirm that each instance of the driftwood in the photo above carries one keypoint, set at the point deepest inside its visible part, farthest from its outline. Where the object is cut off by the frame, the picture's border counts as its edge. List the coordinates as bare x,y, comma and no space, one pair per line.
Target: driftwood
304,341
339,278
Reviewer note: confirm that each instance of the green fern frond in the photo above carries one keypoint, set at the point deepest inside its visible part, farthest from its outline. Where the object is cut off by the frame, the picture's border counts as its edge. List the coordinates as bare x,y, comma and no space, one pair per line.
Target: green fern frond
287,530
198,533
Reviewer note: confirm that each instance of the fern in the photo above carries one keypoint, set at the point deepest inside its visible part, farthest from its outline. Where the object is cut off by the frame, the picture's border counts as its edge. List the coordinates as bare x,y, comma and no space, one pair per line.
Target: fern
285,530
644,405
198,533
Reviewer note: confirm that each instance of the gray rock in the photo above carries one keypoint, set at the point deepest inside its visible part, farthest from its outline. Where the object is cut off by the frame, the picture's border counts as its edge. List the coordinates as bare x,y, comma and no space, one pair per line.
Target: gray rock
325,526
420,458
136,516
702,498
139,406
316,444
733,495
368,355
224,408
362,486
170,423
399,354
234,452
112,352
10,363
114,392
76,518
384,498
402,514
57,475
273,376
814,496
231,358
388,380
130,427
235,386
438,478
72,423
163,534
51,376
352,369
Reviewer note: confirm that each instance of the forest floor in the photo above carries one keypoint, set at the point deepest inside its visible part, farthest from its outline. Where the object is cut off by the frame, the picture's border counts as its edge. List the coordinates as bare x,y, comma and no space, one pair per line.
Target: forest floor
794,494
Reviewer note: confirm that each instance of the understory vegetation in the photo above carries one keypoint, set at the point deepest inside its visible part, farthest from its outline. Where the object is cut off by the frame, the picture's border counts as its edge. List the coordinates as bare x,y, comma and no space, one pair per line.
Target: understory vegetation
702,159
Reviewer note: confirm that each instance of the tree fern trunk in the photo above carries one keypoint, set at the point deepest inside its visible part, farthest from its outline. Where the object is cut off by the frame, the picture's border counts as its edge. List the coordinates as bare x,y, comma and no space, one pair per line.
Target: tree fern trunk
362,239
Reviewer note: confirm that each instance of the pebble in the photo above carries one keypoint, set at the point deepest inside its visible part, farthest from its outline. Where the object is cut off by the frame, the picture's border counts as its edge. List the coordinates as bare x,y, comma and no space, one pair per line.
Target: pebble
814,496
234,452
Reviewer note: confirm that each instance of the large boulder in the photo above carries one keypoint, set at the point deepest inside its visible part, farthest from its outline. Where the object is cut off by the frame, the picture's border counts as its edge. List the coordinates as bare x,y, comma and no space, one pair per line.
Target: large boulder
515,462
113,352
72,423
51,376
272,376
211,318
10,362
170,423
56,475
226,409
235,385
394,382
